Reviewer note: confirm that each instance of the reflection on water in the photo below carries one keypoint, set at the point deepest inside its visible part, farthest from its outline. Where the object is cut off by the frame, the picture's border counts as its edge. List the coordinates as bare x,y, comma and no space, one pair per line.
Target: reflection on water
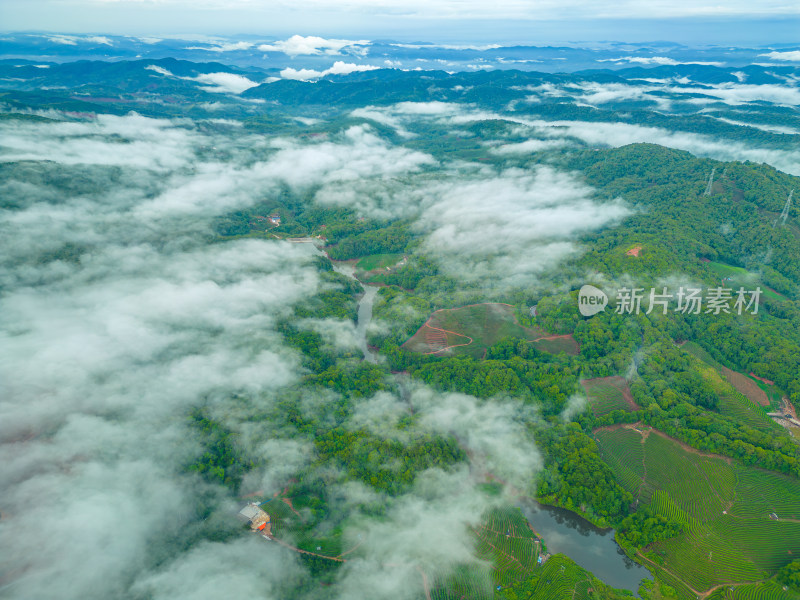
592,548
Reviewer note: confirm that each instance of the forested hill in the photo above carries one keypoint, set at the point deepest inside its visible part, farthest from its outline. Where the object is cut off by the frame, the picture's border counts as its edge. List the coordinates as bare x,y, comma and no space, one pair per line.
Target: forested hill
355,300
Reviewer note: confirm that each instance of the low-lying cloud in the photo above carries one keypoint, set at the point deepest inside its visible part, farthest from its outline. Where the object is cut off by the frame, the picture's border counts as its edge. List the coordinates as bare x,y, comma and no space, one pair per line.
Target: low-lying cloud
338,68
224,83
104,353
298,45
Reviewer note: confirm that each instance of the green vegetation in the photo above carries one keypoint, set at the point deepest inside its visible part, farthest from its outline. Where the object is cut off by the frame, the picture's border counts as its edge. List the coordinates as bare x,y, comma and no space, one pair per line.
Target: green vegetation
378,261
561,579
608,394
790,575
715,525
576,478
736,277
222,461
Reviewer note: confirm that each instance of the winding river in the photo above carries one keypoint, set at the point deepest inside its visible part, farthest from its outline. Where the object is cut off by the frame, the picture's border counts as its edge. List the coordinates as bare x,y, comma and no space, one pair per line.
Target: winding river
563,532
364,309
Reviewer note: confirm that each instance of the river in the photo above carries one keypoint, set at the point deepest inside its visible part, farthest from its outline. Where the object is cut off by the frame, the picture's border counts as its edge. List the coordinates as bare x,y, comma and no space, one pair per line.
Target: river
592,548
364,309
563,532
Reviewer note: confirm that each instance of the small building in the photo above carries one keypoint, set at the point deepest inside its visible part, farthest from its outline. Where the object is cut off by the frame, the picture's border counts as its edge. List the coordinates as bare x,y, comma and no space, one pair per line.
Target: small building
275,219
255,517
773,516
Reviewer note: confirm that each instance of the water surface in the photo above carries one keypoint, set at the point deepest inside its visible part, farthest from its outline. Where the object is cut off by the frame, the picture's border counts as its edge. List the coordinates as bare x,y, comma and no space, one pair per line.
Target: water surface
592,548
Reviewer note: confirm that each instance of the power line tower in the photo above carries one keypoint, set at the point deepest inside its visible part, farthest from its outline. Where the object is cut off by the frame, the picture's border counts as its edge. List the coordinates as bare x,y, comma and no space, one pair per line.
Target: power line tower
785,212
710,183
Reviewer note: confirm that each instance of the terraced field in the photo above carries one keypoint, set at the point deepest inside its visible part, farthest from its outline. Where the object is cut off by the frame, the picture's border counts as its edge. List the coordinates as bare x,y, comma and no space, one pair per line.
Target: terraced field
503,539
729,536
623,451
467,581
561,579
608,393
768,590
506,539
746,386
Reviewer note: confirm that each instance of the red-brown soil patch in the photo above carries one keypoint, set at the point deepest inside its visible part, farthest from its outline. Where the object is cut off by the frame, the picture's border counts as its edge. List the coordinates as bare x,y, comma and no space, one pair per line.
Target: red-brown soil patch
635,251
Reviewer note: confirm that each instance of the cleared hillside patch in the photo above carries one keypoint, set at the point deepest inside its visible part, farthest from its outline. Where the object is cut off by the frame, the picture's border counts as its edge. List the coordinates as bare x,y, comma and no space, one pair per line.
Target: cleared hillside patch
472,329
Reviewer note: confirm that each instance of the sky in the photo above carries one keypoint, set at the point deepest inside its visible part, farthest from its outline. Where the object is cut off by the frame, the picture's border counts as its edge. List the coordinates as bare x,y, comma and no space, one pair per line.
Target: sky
706,21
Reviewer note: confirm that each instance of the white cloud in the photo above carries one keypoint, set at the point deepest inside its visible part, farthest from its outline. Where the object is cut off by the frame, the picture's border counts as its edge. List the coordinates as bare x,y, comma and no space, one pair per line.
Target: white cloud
528,146
358,154
103,357
227,83
224,47
159,70
658,60
338,68
66,40
620,134
512,226
770,128
139,142
791,55
310,45
99,39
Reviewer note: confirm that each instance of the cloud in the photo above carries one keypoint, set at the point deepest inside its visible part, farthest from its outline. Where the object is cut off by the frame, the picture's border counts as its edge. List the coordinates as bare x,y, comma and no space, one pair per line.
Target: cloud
506,228
620,134
615,134
132,140
428,108
99,39
214,570
762,127
427,531
791,55
527,147
338,68
104,353
298,45
224,47
228,83
72,40
356,154
730,93
423,534
66,40
658,60
225,82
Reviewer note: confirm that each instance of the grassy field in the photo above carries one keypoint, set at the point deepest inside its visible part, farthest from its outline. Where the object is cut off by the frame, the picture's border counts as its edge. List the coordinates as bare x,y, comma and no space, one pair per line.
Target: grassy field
608,393
729,536
472,329
735,277
378,261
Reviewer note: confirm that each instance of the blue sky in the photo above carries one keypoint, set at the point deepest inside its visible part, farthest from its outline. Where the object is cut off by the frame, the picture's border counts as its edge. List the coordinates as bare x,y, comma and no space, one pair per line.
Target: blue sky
687,21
